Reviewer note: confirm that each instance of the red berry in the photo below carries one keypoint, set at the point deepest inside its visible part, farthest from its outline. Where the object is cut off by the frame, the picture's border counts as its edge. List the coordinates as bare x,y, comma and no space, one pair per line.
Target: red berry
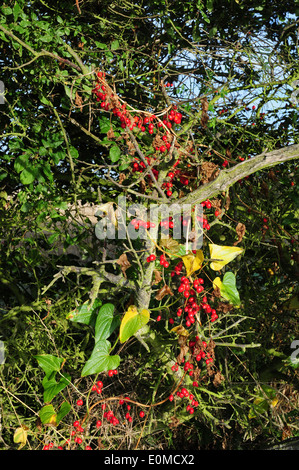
99,423
79,402
141,414
171,397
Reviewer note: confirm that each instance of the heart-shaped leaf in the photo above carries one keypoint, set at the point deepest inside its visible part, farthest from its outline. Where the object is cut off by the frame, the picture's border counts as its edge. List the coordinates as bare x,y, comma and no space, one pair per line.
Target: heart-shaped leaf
49,363
48,415
228,289
20,437
106,322
132,322
223,255
52,387
86,313
100,360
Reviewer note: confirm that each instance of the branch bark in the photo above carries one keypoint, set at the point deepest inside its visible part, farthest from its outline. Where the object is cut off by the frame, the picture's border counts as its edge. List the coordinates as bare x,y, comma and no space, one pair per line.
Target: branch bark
229,177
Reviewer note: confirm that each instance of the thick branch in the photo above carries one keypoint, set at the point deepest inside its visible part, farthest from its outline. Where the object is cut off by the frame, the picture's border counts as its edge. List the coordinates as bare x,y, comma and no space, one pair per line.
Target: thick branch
229,177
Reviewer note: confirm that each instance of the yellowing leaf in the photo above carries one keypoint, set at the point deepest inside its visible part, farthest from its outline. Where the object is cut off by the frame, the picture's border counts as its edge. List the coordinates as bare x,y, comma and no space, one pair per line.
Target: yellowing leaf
20,437
132,322
274,402
179,330
228,289
193,262
223,255
108,211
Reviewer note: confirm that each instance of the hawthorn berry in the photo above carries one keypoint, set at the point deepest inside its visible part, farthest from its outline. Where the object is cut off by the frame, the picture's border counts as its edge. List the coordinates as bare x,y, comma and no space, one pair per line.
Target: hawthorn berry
80,402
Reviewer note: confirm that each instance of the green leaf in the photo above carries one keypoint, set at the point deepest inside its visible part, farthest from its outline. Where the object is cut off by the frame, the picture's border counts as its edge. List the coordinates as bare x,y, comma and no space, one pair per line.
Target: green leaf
105,125
64,409
27,176
21,162
228,289
48,415
86,313
114,45
52,387
49,363
132,322
106,322
100,360
114,153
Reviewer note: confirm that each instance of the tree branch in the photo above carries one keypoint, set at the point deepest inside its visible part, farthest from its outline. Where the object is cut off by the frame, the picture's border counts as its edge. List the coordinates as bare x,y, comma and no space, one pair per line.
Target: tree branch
229,177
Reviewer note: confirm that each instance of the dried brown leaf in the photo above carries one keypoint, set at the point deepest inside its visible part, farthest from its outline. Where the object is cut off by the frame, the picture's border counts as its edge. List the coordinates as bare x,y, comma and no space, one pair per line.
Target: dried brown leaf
157,278
165,290
124,263
240,229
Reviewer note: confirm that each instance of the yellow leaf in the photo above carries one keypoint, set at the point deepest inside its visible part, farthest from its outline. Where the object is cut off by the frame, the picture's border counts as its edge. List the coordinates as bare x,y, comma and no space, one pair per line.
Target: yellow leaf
132,321
20,437
223,255
180,330
193,262
217,283
274,402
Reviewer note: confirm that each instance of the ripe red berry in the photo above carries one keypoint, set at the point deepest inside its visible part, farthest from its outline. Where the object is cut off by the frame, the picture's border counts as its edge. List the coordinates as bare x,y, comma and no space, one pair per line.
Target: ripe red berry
171,397
141,414
79,402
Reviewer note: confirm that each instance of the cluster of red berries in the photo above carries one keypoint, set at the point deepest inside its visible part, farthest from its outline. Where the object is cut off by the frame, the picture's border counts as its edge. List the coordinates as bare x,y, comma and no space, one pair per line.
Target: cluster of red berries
192,307
97,387
137,223
164,262
183,393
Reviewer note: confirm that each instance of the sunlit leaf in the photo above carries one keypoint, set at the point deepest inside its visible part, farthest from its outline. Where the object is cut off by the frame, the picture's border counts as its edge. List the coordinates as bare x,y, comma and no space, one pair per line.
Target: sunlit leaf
132,321
20,437
228,289
193,262
180,330
222,255
100,359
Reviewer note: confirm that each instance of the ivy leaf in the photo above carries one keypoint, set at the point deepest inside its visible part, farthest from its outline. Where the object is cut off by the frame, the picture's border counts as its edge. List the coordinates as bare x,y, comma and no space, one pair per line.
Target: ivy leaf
132,322
222,255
